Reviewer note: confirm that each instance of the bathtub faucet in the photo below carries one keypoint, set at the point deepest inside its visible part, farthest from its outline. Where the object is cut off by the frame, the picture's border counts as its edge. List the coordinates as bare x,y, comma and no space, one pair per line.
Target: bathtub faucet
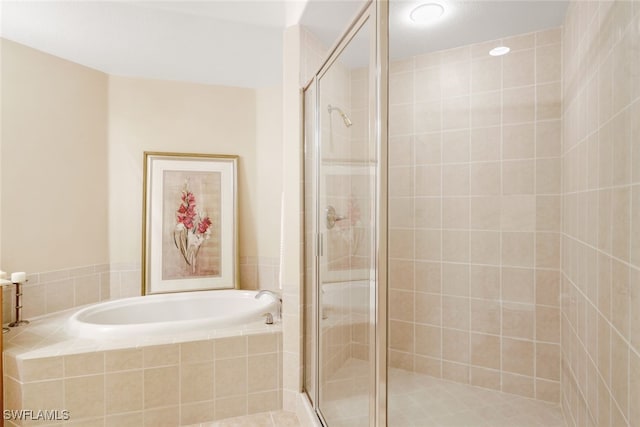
276,297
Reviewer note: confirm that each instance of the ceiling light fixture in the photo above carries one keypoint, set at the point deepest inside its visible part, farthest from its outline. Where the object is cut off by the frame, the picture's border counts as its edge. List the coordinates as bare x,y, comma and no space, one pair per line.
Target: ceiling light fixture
426,13
499,51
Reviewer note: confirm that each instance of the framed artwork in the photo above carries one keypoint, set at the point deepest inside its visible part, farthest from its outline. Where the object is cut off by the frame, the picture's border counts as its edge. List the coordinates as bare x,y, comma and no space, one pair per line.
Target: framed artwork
190,222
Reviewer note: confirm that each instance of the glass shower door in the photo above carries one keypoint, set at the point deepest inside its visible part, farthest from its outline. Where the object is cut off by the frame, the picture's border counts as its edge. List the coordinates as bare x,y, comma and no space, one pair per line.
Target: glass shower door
346,191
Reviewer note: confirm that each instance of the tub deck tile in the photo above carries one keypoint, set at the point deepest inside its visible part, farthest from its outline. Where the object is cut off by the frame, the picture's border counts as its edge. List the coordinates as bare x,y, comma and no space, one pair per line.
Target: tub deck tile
45,336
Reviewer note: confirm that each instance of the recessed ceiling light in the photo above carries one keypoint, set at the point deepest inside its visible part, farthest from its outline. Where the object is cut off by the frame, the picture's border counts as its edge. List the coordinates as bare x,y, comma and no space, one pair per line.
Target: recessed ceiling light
426,13
499,51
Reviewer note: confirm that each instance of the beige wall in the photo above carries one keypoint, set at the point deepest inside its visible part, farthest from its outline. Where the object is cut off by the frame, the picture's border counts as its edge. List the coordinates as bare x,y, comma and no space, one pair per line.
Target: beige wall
268,184
54,169
601,214
474,185
72,153
156,115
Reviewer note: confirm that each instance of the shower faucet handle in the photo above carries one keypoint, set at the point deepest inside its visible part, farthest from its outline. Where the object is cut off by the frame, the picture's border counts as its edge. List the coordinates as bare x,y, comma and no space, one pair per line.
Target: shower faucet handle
332,217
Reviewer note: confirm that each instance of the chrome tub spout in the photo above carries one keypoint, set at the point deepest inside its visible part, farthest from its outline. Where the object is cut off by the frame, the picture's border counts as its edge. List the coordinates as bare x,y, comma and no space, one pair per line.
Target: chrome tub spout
276,297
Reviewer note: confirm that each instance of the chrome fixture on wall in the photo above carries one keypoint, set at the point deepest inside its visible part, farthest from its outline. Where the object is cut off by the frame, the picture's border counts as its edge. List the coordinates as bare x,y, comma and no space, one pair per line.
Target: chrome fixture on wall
347,121
332,217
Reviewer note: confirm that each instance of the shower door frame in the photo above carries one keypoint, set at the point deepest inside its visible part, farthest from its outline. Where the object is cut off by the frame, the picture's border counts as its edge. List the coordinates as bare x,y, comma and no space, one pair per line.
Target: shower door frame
377,13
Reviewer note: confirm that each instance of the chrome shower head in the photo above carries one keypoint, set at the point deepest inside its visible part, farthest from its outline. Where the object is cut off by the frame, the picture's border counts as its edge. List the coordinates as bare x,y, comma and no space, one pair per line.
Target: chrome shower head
347,121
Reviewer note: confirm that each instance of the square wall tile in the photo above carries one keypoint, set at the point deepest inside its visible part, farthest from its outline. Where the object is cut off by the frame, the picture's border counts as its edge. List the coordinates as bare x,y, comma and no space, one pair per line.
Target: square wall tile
84,396
455,345
548,63
486,109
401,275
518,285
485,179
518,69
518,384
518,213
548,361
123,391
519,105
518,320
518,177
517,249
484,282
485,143
485,351
428,212
518,141
486,74
161,387
485,213
484,247
196,382
547,324
485,316
428,341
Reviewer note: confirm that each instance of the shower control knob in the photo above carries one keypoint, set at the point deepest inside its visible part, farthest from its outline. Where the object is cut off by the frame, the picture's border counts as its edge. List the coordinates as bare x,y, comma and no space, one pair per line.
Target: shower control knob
332,217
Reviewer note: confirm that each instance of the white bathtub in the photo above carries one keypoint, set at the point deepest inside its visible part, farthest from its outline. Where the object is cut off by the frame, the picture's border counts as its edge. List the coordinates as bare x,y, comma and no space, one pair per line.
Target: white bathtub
169,314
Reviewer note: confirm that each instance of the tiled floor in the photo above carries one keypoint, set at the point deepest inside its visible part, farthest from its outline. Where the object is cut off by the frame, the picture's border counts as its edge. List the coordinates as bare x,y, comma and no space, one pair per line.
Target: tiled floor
263,419
417,400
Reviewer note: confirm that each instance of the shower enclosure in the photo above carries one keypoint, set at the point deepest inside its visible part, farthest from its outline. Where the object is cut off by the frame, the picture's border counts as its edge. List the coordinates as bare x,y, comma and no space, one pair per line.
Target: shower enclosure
342,178
439,270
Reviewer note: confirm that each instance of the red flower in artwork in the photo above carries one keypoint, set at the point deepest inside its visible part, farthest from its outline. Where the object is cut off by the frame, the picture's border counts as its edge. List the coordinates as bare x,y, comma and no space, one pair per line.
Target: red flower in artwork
186,212
192,227
204,225
188,198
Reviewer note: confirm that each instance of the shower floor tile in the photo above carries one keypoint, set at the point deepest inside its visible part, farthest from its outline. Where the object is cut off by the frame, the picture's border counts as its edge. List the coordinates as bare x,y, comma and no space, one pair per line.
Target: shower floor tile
417,400
263,419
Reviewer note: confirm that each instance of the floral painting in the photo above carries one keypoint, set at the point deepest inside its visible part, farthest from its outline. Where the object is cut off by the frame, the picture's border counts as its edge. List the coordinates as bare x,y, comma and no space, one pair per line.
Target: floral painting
191,247
190,230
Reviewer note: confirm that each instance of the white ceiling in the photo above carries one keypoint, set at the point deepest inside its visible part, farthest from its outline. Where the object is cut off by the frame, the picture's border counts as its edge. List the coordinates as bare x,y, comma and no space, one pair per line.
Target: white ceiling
470,21
230,43
239,42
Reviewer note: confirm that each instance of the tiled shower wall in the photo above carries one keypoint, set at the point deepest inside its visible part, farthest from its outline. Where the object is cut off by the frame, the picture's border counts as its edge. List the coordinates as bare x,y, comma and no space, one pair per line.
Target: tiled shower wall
601,221
475,215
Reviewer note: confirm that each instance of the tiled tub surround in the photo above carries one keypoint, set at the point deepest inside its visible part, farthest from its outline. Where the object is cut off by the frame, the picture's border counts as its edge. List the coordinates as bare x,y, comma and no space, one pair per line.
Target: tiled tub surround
475,215
53,291
165,381
259,273
601,214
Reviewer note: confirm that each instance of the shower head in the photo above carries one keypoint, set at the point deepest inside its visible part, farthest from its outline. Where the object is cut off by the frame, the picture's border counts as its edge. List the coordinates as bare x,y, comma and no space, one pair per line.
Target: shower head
345,118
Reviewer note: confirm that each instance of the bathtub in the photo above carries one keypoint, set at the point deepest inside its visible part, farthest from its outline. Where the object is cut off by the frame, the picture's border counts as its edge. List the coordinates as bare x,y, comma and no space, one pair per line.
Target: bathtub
169,314
175,359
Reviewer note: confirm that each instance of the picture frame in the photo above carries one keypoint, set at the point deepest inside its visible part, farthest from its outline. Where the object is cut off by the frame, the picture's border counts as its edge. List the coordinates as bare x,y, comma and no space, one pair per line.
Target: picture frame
190,222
